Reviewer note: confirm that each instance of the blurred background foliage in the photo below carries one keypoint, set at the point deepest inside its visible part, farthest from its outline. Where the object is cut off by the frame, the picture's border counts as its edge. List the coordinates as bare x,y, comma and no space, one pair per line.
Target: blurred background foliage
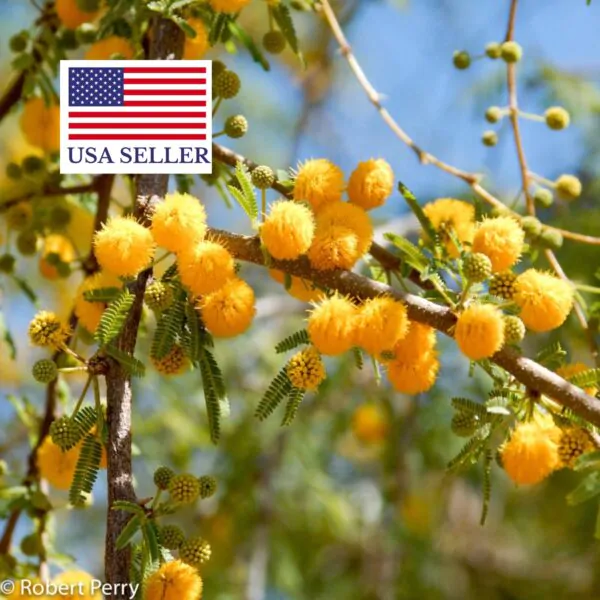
314,512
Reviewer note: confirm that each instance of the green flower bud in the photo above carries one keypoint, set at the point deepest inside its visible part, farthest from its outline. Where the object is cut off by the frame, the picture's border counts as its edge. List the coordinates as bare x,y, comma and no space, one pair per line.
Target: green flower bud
195,551
502,285
31,545
493,50
274,42
45,370
489,138
64,269
218,67
568,187
18,42
33,164
158,296
514,329
493,114
531,226
551,238
60,217
543,197
236,126
477,267
68,40
461,59
87,33
227,85
511,52
162,477
7,264
14,171
557,118
63,433
262,177
171,537
208,486
184,489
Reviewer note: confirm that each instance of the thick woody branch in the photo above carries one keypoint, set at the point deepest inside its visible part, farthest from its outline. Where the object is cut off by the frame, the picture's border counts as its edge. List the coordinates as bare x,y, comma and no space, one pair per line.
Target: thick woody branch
526,371
167,42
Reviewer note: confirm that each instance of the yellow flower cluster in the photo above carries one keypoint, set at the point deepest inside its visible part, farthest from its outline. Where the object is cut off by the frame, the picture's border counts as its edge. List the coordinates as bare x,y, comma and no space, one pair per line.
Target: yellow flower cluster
288,230
450,215
299,288
71,15
173,580
501,239
174,363
479,331
47,330
369,424
306,369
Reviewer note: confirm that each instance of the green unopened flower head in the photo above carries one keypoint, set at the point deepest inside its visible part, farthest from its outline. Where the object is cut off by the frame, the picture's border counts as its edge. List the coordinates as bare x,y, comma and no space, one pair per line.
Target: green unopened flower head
208,486
64,433
274,42
87,33
461,59
531,226
14,171
33,164
493,114
68,40
493,50
502,285
489,138
7,264
45,370
236,126
195,551
218,67
184,489
19,216
543,197
464,424
60,217
514,329
551,238
557,118
511,52
568,187
227,85
263,177
18,42
477,267
158,296
171,537
31,545
162,477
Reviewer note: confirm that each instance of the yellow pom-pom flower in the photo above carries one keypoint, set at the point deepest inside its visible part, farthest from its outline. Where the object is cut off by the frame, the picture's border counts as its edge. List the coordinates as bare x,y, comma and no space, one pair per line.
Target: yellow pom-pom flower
448,214
501,240
205,267
567,371
228,6
344,214
195,48
90,313
334,247
124,247
299,288
371,183
369,424
306,369
179,222
40,124
104,49
55,466
319,182
174,580
331,325
545,300
479,331
173,363
414,375
229,311
80,583
71,15
381,323
531,453
47,330
419,340
288,230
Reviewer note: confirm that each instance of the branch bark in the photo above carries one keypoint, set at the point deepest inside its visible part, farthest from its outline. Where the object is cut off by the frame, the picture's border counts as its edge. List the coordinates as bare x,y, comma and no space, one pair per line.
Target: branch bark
167,42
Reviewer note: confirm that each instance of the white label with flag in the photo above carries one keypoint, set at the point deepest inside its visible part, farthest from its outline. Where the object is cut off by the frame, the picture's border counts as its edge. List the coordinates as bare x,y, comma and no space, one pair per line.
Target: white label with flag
133,116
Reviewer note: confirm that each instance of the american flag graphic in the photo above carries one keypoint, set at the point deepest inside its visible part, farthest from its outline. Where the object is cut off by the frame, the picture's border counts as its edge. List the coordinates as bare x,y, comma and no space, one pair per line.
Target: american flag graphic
162,103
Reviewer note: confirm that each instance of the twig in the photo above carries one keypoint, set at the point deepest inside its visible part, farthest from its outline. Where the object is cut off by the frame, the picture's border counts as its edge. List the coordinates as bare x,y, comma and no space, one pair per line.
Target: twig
50,191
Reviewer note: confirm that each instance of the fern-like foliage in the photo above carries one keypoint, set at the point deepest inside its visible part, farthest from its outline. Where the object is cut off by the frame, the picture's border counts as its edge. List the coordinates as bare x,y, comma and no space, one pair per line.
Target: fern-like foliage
215,395
244,196
168,328
195,335
114,318
411,254
551,356
130,364
470,407
488,459
86,471
102,294
82,423
295,397
358,358
418,211
293,341
585,379
279,389
471,451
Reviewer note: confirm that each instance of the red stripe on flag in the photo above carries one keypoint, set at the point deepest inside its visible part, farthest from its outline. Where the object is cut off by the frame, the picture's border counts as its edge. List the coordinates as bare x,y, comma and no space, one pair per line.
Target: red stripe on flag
155,92
164,103
127,70
137,126
145,114
137,136
162,81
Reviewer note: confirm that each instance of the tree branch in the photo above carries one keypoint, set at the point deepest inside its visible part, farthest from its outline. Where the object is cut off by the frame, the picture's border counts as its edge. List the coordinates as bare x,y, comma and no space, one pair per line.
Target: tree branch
50,191
526,371
167,42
